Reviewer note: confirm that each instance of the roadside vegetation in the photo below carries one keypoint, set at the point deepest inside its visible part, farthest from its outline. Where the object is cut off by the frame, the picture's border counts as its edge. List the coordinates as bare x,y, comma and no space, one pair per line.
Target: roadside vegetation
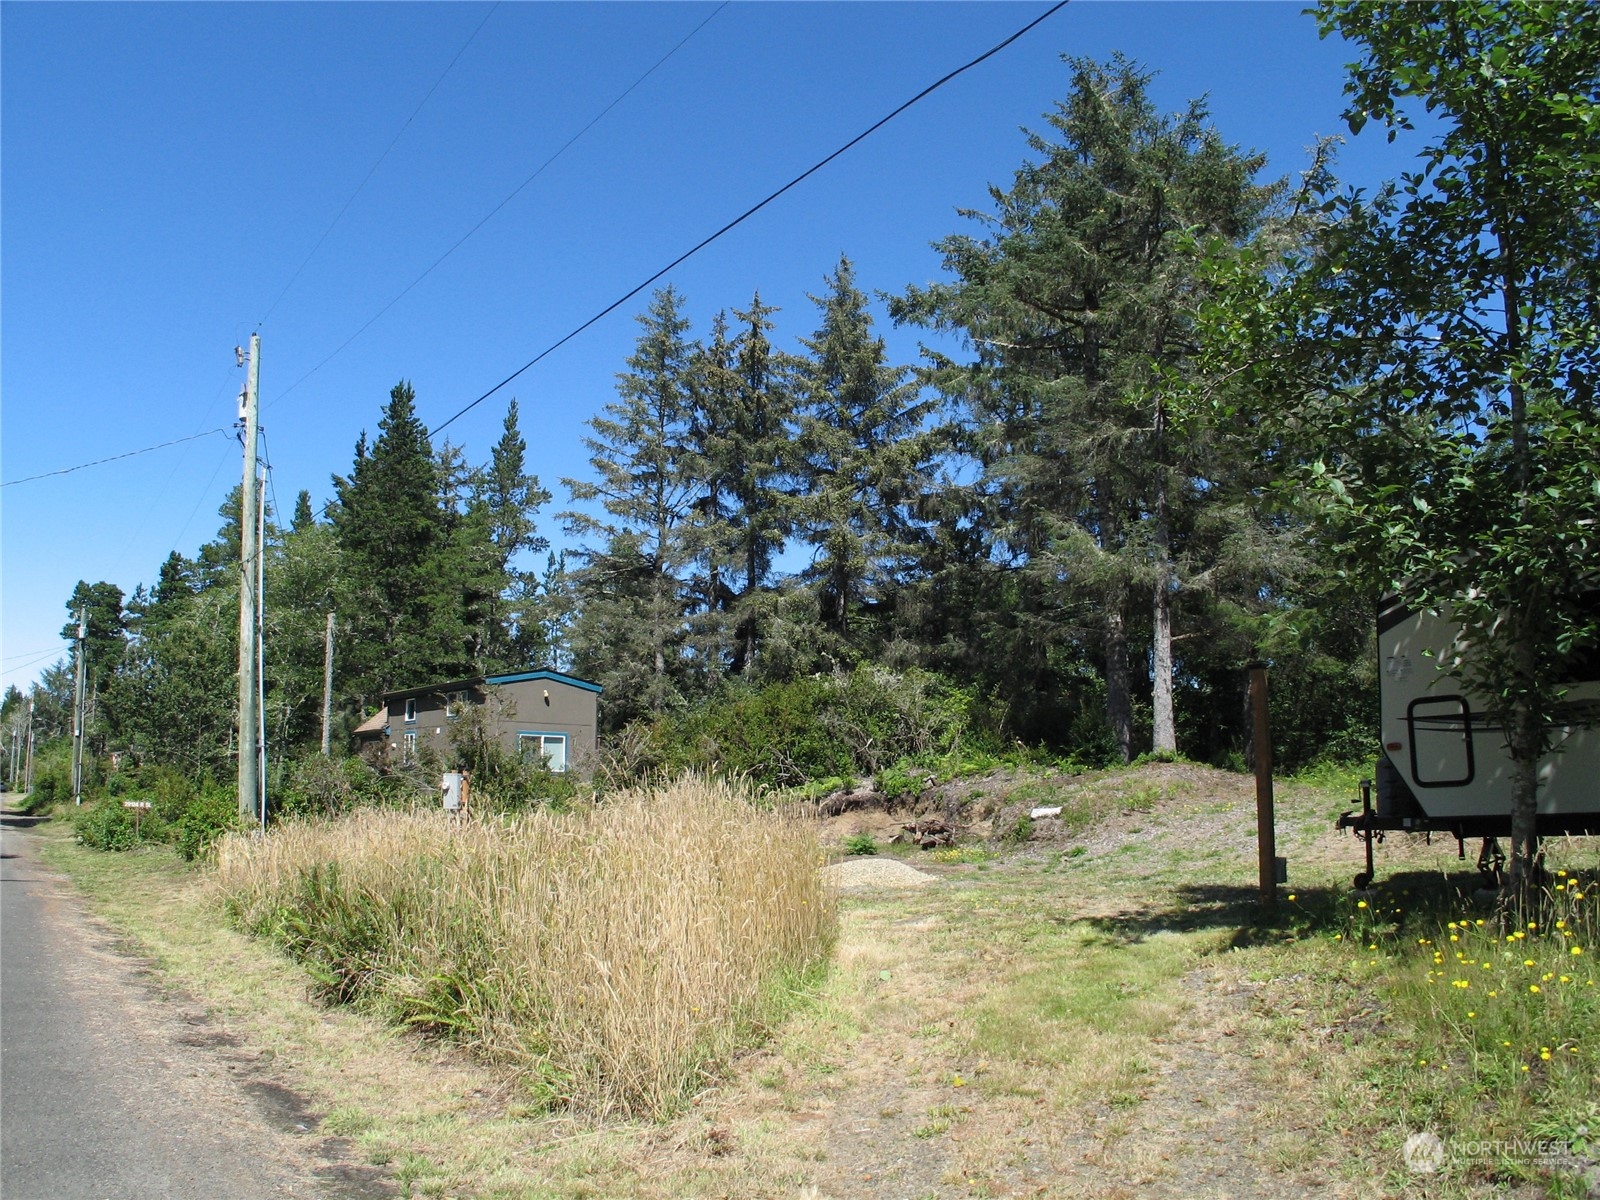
1099,1005
612,955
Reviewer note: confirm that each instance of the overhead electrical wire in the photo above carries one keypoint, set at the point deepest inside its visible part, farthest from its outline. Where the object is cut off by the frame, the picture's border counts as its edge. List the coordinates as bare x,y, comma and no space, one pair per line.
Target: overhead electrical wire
751,211
116,457
512,195
621,300
360,187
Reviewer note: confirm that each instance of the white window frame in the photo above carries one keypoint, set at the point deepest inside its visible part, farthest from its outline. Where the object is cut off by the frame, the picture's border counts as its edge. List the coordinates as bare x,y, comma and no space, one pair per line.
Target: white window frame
410,744
543,739
411,711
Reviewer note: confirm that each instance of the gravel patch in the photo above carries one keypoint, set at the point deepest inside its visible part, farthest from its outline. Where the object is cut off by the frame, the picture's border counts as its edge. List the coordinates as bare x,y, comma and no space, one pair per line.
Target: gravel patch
868,871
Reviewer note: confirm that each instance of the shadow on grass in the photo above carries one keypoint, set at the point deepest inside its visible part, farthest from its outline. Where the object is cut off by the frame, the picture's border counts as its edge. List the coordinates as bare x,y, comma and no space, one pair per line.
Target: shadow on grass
1406,899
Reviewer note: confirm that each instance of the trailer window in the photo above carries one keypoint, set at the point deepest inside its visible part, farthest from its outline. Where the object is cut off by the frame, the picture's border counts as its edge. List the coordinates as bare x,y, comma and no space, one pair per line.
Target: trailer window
1440,729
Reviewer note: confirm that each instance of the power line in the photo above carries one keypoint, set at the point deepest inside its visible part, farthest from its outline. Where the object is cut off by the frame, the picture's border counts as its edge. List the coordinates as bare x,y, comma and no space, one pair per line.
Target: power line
116,457
487,217
374,169
750,212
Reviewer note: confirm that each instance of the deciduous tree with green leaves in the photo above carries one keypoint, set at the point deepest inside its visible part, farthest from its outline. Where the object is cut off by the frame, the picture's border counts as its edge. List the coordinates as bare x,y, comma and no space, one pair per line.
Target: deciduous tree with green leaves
1424,361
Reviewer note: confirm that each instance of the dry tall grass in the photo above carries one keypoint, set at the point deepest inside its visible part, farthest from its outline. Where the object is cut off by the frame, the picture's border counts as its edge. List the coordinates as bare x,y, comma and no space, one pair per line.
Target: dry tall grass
616,954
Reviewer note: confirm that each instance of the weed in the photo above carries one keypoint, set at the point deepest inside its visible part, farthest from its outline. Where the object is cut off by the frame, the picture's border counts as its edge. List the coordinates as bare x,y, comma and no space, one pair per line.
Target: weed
1020,830
962,854
860,843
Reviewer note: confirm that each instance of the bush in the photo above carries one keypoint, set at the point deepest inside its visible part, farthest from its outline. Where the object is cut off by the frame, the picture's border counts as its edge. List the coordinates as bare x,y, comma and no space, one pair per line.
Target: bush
860,843
105,824
212,812
321,786
856,724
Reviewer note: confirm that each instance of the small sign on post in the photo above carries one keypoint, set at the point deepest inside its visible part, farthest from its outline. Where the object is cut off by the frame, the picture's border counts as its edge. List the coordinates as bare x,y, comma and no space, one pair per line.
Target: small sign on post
140,807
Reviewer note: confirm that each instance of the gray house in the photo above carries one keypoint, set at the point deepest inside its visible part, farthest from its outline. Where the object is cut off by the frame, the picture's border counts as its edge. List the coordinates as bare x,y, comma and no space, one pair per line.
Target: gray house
536,713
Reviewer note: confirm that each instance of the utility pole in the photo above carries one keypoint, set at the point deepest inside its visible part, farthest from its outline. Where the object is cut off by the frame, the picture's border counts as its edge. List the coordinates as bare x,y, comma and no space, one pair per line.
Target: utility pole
77,706
261,651
249,761
327,688
27,784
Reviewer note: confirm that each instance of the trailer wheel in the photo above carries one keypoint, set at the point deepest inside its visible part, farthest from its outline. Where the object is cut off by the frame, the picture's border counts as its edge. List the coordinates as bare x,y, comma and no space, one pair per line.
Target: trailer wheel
1363,881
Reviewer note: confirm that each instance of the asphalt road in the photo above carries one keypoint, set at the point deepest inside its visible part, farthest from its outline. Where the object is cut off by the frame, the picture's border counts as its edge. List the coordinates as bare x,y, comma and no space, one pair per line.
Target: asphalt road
102,1096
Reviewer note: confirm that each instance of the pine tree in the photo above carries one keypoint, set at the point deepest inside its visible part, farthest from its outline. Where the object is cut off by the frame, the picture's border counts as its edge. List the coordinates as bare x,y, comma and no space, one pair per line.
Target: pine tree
1079,306
641,454
391,526
866,460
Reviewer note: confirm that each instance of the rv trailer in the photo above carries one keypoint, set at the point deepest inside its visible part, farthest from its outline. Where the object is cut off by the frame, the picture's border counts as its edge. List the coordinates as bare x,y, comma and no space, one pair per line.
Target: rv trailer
1443,764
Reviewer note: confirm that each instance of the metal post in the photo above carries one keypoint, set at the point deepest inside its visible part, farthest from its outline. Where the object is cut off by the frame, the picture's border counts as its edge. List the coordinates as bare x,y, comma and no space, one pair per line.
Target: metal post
327,689
249,784
1266,834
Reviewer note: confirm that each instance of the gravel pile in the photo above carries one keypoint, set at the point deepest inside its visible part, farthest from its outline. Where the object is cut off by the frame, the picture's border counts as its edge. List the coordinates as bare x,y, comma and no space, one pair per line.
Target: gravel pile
867,871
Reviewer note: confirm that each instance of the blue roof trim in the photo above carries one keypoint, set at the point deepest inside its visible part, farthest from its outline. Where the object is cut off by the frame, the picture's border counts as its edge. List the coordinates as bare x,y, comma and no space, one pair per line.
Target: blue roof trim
557,676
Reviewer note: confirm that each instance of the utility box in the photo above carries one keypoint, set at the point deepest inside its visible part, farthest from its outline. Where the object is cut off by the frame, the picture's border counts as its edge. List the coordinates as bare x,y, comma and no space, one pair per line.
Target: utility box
454,789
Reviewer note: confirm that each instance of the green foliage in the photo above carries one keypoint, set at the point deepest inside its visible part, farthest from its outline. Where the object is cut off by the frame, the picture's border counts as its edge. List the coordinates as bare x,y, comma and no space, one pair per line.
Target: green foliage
1020,830
860,843
104,824
787,734
322,786
501,780
210,813
1421,361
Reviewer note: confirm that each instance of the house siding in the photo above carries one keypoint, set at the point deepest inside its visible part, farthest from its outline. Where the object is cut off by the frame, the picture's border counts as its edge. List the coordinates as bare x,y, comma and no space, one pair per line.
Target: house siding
530,702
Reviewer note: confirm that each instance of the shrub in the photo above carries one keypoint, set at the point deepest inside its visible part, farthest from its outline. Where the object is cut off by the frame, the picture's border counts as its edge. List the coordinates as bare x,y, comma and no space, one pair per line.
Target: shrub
860,843
614,955
105,824
212,811
787,734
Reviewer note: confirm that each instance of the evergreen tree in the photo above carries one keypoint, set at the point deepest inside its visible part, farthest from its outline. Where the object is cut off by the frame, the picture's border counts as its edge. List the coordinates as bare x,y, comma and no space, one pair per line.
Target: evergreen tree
511,497
866,461
390,527
1079,307
641,454
303,518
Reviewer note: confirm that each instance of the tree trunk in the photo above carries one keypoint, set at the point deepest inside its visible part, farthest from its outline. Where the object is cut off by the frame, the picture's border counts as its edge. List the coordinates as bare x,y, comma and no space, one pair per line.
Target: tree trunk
1525,740
1165,737
1119,708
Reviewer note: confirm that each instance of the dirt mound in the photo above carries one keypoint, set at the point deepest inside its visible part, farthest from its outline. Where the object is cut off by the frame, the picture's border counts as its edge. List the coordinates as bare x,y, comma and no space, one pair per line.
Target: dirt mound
1000,806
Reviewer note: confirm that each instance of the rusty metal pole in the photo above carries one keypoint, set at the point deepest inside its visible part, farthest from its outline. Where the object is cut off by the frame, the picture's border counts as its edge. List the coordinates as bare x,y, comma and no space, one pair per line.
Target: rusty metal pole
1266,833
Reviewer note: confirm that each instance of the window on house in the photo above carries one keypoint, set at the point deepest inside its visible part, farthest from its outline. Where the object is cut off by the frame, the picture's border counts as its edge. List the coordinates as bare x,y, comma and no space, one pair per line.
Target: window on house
411,710
451,701
411,745
552,747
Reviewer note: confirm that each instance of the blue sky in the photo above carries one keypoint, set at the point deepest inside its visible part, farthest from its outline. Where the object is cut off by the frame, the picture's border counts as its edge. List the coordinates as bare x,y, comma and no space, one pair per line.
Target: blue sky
167,169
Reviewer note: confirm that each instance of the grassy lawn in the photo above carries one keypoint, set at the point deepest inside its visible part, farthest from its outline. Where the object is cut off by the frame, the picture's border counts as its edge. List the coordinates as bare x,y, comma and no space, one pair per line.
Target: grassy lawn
1096,1011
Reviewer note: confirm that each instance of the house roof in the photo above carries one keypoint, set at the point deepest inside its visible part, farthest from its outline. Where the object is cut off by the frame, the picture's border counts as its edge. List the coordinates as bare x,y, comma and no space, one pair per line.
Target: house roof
481,680
556,676
374,723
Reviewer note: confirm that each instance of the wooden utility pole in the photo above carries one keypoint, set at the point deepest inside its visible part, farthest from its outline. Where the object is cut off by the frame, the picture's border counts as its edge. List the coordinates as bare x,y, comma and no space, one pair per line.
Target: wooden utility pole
1266,830
77,706
249,760
327,689
27,775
